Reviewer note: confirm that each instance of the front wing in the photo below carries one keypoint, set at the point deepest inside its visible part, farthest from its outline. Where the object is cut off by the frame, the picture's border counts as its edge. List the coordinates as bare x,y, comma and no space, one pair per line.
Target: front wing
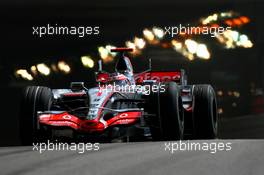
98,125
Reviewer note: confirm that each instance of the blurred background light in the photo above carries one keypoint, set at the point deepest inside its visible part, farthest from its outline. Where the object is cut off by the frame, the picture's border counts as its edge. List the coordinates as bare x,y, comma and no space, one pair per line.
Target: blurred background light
236,94
158,32
139,43
24,74
106,54
148,35
191,45
64,67
176,45
43,69
87,61
103,52
210,19
220,93
34,70
202,51
220,111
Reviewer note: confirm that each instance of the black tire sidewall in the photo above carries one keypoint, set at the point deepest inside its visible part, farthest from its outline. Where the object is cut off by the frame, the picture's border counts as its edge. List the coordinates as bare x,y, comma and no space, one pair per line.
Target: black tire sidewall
172,124
204,112
35,98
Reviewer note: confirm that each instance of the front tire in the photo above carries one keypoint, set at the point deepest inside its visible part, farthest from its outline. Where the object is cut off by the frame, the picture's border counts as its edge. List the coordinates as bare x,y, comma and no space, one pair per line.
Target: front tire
35,98
170,114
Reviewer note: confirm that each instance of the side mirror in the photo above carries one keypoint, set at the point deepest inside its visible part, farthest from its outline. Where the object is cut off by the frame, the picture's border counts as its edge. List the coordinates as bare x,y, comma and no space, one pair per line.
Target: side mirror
77,86
102,77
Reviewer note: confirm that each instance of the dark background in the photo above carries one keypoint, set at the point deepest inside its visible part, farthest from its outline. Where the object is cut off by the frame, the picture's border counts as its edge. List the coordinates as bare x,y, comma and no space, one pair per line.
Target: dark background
237,69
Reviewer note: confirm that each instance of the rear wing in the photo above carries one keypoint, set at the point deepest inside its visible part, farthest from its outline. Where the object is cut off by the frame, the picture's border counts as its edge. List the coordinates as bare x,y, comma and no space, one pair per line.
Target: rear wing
162,76
121,49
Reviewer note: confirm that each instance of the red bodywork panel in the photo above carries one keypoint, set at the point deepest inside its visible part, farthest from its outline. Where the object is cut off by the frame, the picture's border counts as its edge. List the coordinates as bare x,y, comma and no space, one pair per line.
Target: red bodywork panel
103,77
96,125
155,75
106,77
158,76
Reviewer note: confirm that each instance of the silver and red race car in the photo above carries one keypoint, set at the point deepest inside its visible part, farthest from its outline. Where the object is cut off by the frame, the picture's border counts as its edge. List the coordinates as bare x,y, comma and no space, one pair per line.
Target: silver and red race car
151,104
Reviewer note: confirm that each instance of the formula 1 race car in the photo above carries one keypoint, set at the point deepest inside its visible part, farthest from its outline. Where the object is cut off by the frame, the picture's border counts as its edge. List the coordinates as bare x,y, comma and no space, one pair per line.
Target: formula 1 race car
151,104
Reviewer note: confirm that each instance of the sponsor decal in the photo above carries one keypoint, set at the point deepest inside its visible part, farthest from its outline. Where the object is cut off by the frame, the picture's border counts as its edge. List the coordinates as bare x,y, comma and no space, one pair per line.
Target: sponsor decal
66,117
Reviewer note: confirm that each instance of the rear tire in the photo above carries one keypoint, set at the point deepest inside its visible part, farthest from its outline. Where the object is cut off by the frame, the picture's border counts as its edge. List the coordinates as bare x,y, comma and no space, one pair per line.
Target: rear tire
35,98
205,112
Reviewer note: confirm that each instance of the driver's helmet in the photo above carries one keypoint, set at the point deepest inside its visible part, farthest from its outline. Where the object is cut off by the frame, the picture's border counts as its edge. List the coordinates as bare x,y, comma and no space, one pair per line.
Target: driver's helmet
120,79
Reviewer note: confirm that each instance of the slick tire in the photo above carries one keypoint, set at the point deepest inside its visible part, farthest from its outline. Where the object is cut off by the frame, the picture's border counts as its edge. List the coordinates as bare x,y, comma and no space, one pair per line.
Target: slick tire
205,112
170,114
34,98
